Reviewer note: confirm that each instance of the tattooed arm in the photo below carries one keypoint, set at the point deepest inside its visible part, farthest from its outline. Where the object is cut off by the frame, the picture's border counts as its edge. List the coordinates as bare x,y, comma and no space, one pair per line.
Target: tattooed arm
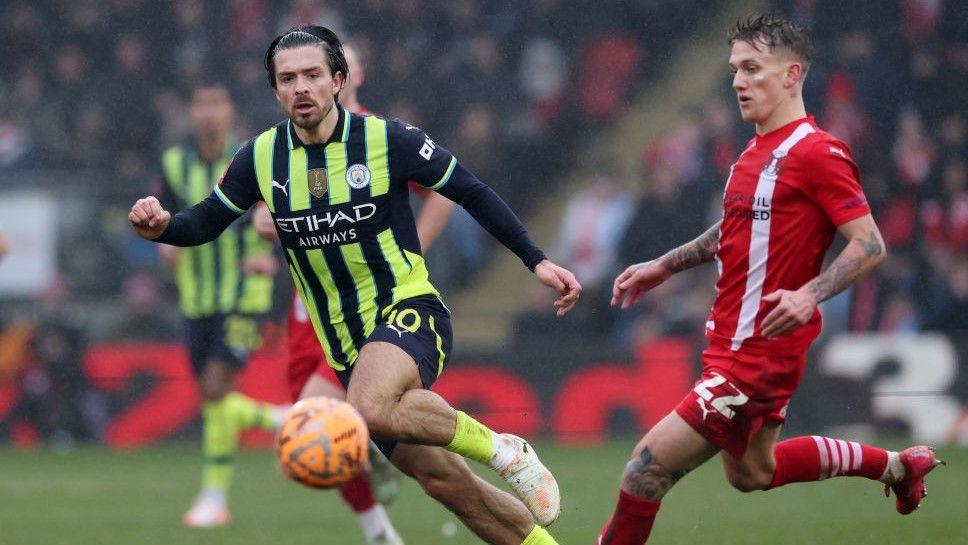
696,252
638,279
865,250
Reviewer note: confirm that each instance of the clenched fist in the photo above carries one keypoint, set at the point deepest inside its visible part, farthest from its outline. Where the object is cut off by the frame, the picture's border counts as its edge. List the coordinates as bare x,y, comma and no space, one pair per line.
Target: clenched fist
148,218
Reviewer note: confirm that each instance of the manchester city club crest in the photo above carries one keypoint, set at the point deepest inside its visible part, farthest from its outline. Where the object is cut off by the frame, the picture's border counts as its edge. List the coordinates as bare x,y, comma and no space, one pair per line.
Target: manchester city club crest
318,183
358,176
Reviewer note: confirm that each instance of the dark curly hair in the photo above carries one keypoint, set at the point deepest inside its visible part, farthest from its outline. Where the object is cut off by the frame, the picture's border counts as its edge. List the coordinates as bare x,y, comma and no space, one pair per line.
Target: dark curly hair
308,35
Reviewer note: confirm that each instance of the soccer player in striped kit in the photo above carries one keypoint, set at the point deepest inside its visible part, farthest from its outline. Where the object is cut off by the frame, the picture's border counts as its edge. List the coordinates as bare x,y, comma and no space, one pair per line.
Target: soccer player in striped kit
308,373
336,186
225,293
790,191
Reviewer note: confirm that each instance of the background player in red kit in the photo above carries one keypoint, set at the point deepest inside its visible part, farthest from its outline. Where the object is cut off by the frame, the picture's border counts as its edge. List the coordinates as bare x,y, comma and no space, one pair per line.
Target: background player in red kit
788,193
307,372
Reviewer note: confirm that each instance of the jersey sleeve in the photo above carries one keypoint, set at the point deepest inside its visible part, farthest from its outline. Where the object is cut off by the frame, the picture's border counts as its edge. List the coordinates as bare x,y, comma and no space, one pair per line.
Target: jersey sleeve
235,193
835,182
238,189
415,157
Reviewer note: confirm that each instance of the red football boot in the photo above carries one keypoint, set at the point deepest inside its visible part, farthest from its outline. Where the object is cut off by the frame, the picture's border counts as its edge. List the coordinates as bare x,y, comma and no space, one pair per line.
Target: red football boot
918,461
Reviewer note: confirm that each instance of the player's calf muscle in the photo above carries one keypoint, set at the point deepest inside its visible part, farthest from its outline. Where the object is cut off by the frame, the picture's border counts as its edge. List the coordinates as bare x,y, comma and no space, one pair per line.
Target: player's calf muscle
646,478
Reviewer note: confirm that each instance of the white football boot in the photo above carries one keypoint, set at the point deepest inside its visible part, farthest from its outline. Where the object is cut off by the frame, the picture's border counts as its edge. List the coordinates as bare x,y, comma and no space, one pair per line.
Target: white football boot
208,511
518,464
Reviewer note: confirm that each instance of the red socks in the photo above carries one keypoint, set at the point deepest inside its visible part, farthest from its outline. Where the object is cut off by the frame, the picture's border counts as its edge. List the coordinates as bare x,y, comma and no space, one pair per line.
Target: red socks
815,458
357,493
632,521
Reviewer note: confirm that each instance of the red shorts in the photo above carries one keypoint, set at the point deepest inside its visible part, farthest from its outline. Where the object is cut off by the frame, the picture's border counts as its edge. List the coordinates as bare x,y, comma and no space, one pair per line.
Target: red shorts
306,356
737,393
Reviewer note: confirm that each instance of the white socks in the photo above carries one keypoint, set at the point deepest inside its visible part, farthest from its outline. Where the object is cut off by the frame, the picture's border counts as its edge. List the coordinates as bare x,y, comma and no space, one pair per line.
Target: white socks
894,471
375,522
213,495
504,452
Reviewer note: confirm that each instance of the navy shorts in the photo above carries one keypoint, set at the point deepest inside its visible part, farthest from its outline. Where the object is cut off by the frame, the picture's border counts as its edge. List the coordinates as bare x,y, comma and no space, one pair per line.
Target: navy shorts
228,338
421,327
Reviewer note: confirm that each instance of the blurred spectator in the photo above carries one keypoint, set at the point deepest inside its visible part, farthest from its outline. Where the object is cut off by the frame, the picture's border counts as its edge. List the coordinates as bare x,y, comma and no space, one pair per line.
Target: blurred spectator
945,218
55,396
946,309
614,60
913,150
666,216
592,226
543,75
15,146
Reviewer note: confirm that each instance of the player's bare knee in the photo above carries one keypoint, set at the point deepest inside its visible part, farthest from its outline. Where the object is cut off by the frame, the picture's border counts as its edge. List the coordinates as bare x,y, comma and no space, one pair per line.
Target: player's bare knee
646,478
212,389
749,481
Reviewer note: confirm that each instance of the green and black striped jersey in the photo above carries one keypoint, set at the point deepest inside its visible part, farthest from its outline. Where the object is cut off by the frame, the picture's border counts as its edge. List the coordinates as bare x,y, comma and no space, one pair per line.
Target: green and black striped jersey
209,277
343,216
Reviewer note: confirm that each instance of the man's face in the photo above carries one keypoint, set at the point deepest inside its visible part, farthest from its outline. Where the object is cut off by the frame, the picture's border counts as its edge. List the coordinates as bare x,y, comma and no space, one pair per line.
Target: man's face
211,110
762,78
305,87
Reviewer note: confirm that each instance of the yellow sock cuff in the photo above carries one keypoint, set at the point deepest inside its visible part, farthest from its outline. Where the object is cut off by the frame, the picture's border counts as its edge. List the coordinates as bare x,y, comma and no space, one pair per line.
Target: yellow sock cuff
472,439
217,475
539,536
219,443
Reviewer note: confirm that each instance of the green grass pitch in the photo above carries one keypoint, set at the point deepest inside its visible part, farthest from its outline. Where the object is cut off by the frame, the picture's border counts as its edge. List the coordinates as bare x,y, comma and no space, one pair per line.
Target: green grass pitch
93,496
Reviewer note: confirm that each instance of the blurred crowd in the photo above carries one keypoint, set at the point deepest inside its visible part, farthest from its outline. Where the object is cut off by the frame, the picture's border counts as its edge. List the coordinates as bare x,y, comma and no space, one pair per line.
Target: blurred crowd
890,82
97,89
101,86
93,91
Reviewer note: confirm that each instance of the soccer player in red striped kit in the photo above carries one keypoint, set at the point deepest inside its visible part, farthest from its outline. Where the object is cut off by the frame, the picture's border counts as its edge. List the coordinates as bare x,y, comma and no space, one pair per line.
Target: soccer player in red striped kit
791,190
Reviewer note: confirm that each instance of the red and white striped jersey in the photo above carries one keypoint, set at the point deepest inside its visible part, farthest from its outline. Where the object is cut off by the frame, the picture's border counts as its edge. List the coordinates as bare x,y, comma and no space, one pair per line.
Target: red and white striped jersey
785,196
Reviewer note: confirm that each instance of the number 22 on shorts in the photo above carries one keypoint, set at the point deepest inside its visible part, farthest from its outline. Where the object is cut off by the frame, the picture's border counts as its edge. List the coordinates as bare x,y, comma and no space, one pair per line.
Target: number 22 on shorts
720,403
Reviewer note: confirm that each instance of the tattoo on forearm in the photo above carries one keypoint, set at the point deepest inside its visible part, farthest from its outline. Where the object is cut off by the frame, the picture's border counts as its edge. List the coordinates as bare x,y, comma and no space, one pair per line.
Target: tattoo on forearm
696,252
872,245
849,266
644,478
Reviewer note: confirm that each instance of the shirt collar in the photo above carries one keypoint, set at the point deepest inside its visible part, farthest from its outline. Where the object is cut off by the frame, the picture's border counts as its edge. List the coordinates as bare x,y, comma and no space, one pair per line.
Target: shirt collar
788,128
340,134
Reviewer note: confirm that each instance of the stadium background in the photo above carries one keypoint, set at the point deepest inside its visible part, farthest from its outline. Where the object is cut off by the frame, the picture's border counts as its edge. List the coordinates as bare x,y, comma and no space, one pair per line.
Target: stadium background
609,126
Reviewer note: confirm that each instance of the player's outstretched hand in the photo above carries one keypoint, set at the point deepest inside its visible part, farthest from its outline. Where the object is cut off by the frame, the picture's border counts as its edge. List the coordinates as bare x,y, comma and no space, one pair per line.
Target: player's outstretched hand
793,309
562,281
148,218
636,281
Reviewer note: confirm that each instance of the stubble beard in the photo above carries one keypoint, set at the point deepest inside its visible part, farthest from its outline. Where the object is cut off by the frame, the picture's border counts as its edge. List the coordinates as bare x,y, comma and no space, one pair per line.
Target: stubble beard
309,123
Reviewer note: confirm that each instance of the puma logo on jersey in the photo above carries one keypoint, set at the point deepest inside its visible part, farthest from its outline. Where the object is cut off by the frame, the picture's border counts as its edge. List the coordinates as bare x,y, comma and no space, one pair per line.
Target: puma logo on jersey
702,405
397,331
838,151
284,187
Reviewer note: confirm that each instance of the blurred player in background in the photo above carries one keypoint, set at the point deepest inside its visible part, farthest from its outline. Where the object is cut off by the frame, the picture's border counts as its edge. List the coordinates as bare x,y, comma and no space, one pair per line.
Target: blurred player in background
335,183
789,192
3,246
225,292
307,371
